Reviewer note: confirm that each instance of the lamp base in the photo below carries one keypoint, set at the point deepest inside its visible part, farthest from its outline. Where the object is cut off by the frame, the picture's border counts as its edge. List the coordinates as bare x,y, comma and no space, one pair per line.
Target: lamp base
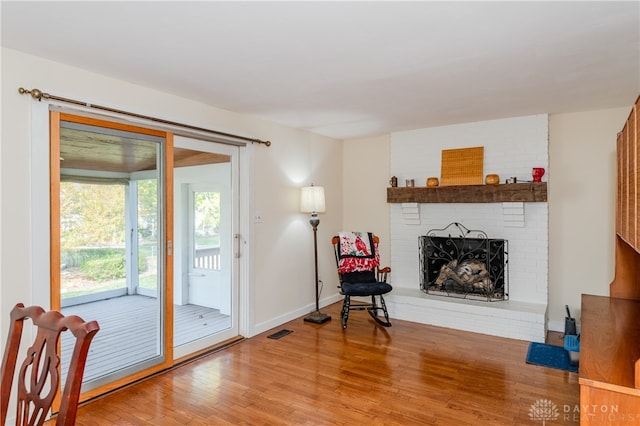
317,317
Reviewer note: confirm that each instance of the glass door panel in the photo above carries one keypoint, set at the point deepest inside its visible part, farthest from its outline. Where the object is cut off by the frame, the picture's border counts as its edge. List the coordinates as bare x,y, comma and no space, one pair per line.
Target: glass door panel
205,284
110,242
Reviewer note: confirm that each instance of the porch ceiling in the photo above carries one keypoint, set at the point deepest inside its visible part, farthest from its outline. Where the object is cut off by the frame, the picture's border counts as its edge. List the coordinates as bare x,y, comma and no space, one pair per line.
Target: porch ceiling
102,152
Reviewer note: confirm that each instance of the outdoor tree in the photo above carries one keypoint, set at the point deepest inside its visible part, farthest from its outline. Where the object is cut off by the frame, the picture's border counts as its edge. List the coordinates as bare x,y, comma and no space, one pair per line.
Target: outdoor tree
207,207
147,208
91,215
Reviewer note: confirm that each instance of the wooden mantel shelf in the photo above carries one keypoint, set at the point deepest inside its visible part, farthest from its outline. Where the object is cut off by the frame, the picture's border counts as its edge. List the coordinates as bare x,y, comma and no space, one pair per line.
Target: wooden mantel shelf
513,192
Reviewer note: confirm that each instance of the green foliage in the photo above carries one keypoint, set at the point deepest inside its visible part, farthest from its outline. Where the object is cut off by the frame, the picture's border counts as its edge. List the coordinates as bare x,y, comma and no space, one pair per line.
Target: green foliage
104,286
149,281
105,268
102,264
143,265
147,209
77,257
213,241
207,213
91,214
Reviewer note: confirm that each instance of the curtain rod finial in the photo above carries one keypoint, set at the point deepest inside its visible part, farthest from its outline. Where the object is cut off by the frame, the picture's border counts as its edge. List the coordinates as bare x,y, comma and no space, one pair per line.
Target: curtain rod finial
266,143
35,93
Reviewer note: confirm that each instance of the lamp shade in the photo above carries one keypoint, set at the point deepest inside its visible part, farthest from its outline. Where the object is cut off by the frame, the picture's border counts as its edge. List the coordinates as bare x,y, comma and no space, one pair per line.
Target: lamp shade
312,199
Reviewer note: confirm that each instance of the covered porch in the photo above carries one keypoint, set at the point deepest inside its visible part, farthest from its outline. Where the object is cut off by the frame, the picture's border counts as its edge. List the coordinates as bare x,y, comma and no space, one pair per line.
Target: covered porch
129,331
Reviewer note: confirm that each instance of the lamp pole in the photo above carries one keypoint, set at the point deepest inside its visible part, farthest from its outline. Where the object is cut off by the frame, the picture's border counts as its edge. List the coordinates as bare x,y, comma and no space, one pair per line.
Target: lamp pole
314,221
316,317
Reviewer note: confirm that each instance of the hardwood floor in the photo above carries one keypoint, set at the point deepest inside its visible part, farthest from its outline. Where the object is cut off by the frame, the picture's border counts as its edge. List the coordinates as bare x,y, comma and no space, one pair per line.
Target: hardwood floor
409,374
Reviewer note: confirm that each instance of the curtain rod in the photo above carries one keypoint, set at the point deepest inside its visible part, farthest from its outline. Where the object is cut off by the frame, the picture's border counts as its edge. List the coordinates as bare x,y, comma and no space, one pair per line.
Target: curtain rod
37,94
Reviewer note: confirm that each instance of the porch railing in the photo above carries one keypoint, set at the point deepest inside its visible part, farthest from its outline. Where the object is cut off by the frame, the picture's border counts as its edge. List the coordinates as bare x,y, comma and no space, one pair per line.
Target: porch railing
208,258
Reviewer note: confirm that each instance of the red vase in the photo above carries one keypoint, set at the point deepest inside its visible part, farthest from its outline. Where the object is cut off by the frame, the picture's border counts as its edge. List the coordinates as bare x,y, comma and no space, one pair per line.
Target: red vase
537,174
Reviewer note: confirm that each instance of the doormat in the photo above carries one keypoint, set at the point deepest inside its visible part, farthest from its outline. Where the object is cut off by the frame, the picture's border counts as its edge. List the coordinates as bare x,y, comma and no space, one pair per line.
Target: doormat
551,356
279,334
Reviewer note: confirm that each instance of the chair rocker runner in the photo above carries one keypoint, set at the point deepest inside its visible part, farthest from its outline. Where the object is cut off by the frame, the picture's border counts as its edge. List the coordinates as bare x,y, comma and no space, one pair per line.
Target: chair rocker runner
39,374
358,263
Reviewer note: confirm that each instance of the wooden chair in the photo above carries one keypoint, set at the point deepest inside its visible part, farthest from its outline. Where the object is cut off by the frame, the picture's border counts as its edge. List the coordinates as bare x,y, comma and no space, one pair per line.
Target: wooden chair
361,276
39,375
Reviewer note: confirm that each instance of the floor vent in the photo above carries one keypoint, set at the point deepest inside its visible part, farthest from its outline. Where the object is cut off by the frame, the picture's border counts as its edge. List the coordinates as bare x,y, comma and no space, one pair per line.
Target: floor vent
279,334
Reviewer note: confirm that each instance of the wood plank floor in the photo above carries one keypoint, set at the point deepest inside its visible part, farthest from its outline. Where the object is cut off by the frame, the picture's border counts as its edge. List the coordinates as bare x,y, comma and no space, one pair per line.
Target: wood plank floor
409,374
131,323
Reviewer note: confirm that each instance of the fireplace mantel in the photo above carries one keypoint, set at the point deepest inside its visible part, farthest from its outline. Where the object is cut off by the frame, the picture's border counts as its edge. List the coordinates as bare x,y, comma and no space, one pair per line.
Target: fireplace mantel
513,192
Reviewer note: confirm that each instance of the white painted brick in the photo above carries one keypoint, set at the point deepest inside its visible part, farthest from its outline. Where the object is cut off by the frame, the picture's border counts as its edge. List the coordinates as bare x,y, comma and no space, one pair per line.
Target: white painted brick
515,320
513,211
515,224
409,205
513,218
416,155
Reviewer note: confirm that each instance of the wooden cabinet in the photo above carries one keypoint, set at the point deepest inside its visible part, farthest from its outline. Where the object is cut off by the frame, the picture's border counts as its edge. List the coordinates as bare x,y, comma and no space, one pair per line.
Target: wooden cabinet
628,161
609,373
626,283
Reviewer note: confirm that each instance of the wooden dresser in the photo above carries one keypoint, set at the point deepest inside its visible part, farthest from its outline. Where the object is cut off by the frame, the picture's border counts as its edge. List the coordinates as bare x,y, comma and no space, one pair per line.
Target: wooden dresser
609,373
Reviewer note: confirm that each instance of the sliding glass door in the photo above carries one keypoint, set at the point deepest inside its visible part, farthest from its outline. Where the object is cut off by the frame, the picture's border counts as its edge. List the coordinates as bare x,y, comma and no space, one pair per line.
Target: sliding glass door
145,240
205,226
108,254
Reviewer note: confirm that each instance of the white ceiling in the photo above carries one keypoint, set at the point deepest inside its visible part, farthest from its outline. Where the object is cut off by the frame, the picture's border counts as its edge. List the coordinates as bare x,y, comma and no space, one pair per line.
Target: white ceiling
350,69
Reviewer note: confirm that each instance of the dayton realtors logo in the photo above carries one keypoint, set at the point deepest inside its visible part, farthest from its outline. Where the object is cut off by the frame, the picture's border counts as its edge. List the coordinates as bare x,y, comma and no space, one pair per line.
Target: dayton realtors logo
543,410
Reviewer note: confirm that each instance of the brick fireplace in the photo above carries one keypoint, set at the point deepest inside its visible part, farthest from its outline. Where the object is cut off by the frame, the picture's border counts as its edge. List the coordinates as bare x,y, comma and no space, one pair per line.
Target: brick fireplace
512,147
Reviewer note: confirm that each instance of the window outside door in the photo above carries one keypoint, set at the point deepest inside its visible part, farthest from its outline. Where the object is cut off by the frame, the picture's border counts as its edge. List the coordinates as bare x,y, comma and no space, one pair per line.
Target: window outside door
204,286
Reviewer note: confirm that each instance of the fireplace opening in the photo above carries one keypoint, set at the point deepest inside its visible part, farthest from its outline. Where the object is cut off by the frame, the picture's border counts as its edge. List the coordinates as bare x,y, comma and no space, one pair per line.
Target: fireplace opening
463,263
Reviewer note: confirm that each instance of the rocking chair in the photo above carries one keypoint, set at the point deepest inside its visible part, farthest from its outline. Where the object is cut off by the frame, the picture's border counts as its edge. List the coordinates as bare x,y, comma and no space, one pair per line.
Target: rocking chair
39,374
358,259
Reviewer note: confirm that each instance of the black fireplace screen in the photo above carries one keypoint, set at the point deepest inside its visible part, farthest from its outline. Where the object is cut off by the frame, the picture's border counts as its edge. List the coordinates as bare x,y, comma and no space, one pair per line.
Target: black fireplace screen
458,262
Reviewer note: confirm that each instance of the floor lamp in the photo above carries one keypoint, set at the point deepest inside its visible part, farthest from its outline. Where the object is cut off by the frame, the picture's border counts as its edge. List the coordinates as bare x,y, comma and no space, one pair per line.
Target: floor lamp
312,201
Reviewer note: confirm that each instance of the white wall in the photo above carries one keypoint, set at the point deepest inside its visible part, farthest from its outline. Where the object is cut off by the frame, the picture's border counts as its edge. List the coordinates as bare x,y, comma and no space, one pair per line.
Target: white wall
281,278
582,153
365,180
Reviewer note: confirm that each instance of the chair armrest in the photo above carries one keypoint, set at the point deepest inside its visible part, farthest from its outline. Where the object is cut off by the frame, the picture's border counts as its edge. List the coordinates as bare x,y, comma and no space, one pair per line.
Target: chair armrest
382,274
